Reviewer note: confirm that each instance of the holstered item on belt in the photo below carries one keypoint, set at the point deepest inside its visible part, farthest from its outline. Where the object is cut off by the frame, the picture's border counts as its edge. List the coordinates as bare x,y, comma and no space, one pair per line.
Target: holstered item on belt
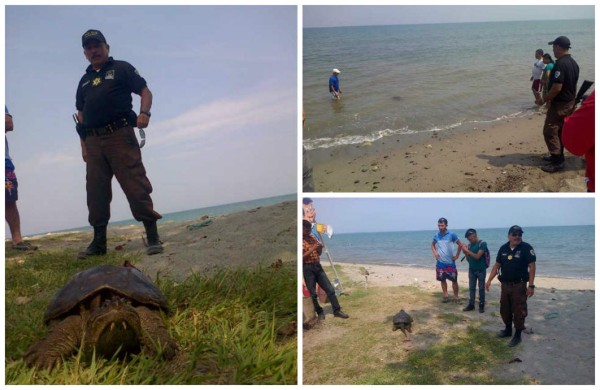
110,128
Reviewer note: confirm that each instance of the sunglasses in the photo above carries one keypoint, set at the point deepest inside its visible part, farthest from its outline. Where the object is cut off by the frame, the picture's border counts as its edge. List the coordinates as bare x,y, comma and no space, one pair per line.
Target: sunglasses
516,234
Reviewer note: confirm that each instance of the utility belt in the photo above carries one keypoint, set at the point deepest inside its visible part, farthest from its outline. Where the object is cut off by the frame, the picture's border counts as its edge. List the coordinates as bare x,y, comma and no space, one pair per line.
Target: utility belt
109,128
516,282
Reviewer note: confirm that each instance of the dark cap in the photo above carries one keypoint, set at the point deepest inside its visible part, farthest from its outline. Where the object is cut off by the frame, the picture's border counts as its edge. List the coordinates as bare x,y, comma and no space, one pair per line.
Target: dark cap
469,232
307,200
561,41
443,220
515,229
92,35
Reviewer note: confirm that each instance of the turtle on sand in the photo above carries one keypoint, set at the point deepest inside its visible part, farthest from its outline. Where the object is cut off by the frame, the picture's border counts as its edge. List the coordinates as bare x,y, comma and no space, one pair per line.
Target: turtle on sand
403,321
108,309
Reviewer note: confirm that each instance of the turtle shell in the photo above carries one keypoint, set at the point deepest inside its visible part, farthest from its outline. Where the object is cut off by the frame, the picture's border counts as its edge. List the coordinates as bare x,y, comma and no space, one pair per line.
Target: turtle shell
126,281
402,318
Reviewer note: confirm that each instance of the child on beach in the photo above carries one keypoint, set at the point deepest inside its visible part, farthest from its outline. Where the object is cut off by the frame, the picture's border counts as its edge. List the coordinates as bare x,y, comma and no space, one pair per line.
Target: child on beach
546,82
475,253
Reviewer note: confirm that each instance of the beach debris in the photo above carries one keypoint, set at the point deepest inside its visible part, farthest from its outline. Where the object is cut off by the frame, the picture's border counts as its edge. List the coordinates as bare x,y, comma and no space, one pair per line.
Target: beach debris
118,308
428,146
120,247
551,316
277,264
364,272
364,168
528,330
515,360
403,321
397,98
200,225
356,181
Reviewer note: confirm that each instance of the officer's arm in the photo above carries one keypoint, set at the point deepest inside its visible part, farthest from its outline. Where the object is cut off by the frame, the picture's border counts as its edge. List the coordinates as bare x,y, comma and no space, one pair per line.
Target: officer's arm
555,90
531,273
146,100
493,274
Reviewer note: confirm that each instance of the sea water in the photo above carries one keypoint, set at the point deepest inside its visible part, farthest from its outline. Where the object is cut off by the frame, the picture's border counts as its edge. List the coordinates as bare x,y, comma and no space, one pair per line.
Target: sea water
562,251
407,79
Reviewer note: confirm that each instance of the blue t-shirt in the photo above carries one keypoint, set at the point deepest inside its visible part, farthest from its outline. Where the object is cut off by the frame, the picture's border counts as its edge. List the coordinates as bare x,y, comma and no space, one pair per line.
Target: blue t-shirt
333,80
444,244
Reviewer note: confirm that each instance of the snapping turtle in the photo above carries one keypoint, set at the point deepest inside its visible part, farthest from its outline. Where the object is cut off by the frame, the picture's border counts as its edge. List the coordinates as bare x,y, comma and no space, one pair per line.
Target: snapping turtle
403,321
107,308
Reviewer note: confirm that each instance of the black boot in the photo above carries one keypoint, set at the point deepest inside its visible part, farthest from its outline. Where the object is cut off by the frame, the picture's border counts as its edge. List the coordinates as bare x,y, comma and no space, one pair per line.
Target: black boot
98,245
507,332
516,339
154,244
469,307
481,307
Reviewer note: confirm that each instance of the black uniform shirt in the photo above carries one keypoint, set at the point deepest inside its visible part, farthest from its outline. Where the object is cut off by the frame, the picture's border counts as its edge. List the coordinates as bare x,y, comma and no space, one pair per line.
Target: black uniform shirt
565,72
105,95
514,263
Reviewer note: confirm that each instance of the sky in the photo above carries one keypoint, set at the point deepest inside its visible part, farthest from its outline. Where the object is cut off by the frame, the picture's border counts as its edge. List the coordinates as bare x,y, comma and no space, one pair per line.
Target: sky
338,15
356,215
224,115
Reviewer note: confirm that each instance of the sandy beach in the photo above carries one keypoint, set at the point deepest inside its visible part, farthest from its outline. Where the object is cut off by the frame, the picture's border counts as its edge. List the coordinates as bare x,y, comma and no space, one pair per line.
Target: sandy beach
501,157
246,238
558,347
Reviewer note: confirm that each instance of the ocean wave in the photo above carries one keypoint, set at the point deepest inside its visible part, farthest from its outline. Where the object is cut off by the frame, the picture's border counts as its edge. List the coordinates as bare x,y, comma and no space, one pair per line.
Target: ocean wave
345,140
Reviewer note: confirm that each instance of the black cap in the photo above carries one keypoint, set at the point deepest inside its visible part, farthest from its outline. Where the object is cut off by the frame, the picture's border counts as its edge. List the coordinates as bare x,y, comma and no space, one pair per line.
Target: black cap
561,41
469,232
92,35
307,200
515,229
443,220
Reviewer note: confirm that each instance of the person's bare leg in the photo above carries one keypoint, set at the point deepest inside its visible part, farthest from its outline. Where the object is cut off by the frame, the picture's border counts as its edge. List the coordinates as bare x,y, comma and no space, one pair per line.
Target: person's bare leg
455,289
14,221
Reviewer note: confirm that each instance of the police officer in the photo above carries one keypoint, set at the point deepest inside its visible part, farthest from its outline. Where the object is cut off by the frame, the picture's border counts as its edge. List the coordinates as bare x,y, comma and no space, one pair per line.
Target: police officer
516,263
564,77
108,142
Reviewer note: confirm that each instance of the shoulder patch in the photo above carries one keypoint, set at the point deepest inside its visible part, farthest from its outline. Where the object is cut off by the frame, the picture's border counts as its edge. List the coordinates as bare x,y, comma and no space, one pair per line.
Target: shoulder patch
557,74
532,252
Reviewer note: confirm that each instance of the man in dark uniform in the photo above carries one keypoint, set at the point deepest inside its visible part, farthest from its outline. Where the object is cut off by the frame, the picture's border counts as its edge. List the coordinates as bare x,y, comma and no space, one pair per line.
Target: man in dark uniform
516,262
564,77
108,142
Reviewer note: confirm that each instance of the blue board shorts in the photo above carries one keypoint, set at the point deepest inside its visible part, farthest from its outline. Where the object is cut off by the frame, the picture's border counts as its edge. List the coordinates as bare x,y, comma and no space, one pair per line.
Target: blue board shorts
11,192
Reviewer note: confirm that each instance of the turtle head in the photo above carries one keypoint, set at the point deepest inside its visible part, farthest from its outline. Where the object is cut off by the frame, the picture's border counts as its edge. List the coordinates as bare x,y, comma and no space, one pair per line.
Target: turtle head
113,327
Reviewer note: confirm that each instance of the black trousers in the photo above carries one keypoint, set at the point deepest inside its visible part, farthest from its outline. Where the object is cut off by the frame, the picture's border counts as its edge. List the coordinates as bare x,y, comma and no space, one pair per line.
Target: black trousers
513,304
313,273
117,154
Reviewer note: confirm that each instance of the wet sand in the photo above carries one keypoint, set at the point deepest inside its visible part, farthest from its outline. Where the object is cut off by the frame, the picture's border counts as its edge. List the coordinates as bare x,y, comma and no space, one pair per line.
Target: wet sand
503,157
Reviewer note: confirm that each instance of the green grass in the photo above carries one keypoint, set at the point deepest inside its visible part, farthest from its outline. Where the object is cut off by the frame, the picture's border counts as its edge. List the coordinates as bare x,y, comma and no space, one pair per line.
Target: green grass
227,326
465,360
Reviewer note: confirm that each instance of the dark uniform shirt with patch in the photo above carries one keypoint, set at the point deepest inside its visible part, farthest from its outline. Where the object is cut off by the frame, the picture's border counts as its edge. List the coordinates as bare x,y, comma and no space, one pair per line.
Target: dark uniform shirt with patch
565,72
104,96
514,263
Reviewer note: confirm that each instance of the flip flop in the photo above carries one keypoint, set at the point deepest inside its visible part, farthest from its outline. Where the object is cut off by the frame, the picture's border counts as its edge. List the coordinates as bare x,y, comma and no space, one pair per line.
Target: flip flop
24,246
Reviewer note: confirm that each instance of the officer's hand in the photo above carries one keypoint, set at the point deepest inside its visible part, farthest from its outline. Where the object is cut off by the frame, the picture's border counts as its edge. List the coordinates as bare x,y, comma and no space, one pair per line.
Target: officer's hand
142,121
487,286
530,292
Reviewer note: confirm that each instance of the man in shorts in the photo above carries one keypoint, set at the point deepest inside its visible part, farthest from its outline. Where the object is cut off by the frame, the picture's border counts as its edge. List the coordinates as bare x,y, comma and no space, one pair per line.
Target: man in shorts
11,193
443,249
